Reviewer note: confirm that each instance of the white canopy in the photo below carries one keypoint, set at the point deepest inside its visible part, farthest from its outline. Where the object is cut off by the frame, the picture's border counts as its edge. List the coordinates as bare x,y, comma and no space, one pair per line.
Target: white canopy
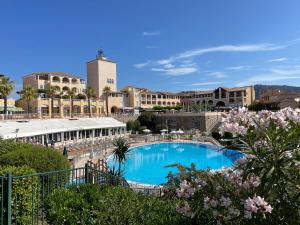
146,131
28,128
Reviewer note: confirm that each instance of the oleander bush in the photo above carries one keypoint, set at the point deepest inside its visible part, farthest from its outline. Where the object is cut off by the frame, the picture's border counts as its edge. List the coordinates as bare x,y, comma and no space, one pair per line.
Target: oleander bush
25,192
40,158
106,205
262,188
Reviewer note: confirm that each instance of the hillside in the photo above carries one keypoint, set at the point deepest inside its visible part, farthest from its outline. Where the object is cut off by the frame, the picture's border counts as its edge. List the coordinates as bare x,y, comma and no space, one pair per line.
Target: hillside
259,89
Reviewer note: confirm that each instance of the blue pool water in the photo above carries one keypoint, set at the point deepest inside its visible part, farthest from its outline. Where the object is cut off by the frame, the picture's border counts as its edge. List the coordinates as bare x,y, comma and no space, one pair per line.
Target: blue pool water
146,164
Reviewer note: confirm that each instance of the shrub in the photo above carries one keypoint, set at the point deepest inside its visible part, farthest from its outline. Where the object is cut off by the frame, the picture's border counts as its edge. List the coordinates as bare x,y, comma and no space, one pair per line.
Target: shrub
91,204
39,158
262,188
10,145
25,193
133,125
148,119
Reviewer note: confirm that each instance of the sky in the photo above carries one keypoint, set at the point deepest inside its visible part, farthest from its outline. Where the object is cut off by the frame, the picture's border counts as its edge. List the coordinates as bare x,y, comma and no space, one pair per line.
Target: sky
167,45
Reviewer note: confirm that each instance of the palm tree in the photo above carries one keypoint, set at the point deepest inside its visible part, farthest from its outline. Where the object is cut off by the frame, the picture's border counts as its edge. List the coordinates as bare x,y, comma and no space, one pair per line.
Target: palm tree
120,152
106,92
6,87
90,92
28,94
72,94
51,92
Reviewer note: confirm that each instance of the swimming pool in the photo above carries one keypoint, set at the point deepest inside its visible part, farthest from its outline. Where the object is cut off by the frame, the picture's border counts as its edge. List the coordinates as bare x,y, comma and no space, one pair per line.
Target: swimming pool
146,164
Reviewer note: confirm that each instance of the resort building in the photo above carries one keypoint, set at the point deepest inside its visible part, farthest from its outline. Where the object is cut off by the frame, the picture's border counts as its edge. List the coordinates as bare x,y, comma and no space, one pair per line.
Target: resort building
61,102
144,98
277,98
102,73
58,132
63,82
220,97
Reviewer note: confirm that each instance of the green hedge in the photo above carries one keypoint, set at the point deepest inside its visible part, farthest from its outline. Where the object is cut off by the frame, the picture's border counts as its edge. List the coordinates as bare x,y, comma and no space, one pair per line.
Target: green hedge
37,157
25,192
92,204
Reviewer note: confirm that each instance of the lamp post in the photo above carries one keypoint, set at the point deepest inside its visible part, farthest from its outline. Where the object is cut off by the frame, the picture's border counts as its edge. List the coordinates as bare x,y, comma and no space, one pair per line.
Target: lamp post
297,100
17,130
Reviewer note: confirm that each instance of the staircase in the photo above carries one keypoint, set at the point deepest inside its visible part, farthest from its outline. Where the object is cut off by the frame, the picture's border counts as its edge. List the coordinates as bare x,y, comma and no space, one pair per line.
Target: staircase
99,174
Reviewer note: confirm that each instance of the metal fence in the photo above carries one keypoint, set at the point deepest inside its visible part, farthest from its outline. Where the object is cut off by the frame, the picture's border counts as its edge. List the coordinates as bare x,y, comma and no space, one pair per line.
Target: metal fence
23,197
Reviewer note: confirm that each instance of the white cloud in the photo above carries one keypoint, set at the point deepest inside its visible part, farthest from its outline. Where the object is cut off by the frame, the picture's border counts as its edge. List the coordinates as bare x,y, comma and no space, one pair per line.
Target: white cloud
153,33
217,75
271,77
141,65
222,48
238,68
176,71
278,60
178,82
207,83
189,55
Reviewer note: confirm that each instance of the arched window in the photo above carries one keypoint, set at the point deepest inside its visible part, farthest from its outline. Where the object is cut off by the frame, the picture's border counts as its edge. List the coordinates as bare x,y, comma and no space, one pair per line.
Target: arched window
65,88
66,80
56,79
74,81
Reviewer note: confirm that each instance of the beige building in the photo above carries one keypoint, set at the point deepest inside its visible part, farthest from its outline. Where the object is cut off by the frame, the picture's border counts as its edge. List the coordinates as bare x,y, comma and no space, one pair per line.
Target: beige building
220,97
277,98
102,73
144,98
62,81
61,103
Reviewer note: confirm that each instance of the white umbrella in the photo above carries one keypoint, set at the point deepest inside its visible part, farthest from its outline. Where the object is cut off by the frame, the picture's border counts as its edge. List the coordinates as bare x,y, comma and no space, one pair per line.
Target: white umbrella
146,131
180,131
164,130
173,132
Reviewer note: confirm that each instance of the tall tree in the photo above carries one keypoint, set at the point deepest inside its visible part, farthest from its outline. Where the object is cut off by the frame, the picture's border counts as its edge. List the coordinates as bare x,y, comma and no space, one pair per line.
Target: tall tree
72,94
106,92
28,94
120,151
52,92
90,93
6,87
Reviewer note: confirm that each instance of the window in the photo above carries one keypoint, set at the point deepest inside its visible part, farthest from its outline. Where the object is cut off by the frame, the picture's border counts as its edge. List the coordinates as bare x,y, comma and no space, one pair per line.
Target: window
110,81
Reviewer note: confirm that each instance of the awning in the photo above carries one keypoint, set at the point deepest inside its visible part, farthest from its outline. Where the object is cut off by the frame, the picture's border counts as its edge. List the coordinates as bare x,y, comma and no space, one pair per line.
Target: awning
12,109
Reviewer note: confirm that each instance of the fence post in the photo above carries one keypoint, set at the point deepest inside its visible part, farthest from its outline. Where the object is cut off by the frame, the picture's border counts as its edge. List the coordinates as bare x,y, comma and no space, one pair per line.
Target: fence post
7,198
86,173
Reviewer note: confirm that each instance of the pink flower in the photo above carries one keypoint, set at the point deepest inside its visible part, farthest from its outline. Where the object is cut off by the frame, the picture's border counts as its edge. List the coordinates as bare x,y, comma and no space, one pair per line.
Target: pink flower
268,209
226,202
185,209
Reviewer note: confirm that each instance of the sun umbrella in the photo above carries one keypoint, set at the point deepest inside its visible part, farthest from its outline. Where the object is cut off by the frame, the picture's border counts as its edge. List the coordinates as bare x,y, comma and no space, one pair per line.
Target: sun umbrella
164,130
146,131
180,131
173,132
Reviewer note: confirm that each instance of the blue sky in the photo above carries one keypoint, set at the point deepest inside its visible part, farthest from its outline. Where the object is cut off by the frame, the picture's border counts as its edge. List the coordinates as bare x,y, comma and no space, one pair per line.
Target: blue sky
162,45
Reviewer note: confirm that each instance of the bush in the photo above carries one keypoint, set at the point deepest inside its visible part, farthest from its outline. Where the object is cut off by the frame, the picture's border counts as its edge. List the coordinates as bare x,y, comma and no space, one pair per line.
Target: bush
148,119
25,193
91,204
261,188
133,125
39,158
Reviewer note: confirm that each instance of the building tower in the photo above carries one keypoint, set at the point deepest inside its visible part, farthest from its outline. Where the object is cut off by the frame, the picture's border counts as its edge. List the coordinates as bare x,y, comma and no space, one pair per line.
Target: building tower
101,73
